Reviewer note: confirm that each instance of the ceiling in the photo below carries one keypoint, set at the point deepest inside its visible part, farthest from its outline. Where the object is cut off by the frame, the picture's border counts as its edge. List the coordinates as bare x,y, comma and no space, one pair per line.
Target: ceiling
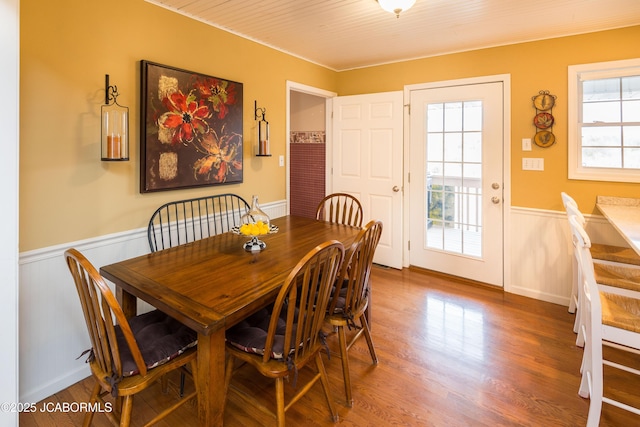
347,34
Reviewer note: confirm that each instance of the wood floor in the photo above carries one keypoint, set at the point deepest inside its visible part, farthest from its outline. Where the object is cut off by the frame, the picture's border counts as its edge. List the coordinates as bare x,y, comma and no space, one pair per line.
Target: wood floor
451,354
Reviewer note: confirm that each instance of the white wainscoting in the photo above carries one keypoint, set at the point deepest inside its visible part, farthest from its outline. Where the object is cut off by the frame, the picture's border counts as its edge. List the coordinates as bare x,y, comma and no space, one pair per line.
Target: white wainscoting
541,252
52,329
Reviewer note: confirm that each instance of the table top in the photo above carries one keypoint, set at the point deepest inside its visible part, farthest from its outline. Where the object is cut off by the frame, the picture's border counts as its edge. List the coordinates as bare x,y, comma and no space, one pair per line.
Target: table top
624,215
214,283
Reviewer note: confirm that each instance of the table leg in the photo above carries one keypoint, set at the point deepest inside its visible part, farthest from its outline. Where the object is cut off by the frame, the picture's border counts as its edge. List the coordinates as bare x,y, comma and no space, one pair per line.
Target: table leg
128,302
210,379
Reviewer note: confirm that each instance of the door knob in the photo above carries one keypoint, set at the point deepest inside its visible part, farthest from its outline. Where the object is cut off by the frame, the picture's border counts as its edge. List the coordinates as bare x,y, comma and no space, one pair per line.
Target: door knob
395,188
495,200
495,185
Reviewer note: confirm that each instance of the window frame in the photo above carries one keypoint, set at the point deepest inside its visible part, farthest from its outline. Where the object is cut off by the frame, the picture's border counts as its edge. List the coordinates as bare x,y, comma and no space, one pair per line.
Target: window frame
577,74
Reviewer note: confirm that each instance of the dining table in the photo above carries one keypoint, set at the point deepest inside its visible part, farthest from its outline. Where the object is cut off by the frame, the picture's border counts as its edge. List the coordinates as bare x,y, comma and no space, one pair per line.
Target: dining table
213,283
623,213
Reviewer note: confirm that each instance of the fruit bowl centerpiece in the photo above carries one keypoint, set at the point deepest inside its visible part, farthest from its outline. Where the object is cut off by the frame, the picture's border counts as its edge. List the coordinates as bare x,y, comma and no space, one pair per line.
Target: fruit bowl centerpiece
255,223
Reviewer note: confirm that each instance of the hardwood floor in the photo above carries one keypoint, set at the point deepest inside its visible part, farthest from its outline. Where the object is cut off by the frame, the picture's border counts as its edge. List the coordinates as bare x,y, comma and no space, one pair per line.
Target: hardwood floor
451,354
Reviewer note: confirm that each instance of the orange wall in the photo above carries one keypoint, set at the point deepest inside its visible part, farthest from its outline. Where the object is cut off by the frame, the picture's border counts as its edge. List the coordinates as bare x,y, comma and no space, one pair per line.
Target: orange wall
67,46
533,66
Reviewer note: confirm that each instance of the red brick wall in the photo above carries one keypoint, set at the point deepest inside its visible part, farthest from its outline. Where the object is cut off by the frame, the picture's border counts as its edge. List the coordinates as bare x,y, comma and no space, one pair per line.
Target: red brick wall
307,169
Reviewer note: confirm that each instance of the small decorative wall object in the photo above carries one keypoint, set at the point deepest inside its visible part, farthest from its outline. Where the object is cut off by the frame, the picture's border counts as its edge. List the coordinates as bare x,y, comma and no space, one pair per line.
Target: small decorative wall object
263,131
191,129
543,102
115,125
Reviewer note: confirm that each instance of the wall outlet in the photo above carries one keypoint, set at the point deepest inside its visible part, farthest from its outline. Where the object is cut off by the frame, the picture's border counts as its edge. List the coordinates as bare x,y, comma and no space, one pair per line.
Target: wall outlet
526,144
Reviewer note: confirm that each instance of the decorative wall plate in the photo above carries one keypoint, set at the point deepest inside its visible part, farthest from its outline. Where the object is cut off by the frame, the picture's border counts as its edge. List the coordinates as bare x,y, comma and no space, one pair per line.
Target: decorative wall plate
543,120
544,101
544,139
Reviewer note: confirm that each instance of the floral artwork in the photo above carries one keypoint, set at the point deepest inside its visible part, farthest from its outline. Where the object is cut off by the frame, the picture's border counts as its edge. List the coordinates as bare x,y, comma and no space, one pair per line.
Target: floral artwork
192,129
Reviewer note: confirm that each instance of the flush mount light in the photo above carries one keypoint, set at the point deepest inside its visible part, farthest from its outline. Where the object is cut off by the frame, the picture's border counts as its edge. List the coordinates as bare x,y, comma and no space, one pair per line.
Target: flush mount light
396,6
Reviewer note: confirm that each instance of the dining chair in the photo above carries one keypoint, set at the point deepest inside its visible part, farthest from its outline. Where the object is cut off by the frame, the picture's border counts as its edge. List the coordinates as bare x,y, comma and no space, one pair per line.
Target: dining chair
127,356
183,221
350,298
340,208
611,320
622,277
599,251
281,341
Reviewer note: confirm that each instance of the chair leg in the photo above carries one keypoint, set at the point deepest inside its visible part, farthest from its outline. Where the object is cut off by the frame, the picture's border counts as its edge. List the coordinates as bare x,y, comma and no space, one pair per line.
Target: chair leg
88,418
280,402
325,385
342,340
182,376
367,335
127,406
228,373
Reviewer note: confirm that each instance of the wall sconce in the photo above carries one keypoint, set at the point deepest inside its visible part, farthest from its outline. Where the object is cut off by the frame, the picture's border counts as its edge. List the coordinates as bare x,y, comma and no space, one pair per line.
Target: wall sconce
263,131
115,126
396,6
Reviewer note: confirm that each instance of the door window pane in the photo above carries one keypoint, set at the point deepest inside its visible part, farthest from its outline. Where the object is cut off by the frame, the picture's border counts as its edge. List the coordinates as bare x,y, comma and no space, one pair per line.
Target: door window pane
454,163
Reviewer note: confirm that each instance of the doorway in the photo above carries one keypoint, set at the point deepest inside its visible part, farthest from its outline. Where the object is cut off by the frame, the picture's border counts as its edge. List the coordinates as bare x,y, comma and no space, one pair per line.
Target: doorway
306,148
457,140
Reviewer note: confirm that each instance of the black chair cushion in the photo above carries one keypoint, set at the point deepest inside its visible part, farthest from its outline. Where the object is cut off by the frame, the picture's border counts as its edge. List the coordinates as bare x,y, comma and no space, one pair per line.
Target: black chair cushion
160,338
250,335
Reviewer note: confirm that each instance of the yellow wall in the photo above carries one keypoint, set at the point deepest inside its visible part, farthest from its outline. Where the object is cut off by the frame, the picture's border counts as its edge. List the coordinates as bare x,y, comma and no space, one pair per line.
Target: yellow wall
67,46
533,67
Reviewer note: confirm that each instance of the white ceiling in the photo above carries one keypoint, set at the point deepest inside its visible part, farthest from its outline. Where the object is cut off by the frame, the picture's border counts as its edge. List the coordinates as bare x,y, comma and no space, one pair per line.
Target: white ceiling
347,34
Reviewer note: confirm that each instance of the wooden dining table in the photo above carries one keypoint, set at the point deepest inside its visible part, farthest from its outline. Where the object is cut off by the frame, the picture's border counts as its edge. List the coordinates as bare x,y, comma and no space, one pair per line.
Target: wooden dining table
214,283
623,213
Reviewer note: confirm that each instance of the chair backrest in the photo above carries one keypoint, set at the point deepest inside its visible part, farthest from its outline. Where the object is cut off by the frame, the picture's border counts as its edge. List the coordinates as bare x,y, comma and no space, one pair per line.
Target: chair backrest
571,207
302,302
184,221
352,285
592,308
340,208
100,309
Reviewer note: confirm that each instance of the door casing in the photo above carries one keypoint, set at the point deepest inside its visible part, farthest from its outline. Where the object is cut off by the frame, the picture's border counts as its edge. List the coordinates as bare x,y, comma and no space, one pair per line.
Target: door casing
506,205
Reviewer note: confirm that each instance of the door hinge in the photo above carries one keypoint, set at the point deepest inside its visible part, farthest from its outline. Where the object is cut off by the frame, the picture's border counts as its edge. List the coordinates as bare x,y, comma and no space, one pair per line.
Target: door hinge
409,245
408,108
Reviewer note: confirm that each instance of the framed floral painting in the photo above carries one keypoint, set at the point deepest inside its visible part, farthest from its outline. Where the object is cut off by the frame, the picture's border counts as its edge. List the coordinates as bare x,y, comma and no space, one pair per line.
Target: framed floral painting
191,129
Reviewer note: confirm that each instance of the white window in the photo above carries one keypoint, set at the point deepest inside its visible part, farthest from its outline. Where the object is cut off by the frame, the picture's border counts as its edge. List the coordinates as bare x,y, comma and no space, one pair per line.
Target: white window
604,121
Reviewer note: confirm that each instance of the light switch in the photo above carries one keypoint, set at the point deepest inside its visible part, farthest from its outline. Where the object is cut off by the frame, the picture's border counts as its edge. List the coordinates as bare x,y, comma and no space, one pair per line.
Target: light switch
526,144
532,164
281,160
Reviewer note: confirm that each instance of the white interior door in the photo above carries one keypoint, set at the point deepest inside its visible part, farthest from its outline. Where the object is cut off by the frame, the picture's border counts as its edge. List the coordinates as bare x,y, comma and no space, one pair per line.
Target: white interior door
456,172
367,163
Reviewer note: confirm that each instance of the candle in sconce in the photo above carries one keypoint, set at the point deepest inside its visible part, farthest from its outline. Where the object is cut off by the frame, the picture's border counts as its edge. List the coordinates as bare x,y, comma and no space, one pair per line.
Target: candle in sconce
113,146
263,147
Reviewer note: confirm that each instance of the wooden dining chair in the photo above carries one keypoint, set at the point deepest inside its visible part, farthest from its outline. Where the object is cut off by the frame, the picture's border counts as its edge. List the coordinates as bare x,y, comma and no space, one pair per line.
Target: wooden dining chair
350,298
183,221
281,342
340,208
127,356
611,320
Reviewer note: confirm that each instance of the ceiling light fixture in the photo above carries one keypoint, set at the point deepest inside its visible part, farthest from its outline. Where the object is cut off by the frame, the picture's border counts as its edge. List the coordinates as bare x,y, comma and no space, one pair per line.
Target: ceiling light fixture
396,6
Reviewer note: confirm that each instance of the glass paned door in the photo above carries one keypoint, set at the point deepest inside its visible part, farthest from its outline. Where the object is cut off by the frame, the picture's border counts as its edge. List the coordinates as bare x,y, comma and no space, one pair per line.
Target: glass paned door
456,164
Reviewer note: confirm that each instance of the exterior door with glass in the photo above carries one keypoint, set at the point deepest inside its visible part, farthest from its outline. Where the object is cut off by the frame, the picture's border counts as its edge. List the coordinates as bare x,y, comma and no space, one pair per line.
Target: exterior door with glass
456,179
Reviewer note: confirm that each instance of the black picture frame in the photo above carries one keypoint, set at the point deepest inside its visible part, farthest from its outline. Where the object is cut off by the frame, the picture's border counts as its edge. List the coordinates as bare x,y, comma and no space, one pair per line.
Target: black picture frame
191,129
